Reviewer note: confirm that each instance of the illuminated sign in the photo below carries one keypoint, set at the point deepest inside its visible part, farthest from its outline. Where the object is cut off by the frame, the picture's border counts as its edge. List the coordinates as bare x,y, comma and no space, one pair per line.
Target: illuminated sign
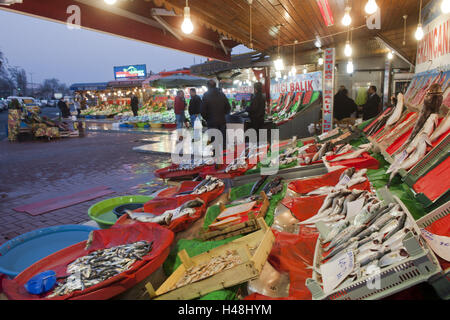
130,72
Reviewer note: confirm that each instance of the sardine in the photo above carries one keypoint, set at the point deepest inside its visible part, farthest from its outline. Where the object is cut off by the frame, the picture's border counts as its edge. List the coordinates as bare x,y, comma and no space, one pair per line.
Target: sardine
396,240
345,235
348,172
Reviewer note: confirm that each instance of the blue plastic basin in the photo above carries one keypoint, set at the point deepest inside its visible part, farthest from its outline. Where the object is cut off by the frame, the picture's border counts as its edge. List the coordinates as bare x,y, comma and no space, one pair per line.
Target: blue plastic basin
21,252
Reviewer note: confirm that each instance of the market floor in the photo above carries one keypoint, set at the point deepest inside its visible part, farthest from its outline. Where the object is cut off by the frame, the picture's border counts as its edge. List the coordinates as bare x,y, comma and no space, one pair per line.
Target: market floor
38,170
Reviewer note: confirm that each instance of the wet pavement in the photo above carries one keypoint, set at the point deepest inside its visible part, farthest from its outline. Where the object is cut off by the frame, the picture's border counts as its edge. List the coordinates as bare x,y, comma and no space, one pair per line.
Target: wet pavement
40,170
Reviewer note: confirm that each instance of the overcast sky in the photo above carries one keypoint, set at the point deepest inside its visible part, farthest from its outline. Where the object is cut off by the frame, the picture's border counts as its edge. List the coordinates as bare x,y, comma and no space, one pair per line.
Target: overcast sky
51,50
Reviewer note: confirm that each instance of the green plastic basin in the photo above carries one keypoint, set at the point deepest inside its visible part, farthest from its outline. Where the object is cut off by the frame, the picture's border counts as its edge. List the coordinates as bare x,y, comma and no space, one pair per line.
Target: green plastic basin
102,212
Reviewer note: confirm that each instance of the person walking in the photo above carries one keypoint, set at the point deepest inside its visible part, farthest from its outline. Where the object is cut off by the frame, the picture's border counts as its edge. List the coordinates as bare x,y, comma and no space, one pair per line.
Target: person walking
371,108
344,106
134,105
76,103
215,107
257,109
179,107
195,106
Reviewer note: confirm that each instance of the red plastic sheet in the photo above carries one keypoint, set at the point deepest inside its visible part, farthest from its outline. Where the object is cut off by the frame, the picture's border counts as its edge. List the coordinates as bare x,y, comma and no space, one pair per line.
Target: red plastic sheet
161,237
304,186
304,207
170,195
364,161
294,254
436,182
183,187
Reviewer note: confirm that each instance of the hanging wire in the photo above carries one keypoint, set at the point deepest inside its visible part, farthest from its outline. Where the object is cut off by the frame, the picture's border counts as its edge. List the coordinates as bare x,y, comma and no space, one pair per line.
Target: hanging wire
251,27
404,29
420,12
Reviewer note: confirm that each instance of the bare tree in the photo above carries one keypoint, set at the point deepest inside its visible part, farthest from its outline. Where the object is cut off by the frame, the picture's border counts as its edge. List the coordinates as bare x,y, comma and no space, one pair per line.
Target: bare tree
19,77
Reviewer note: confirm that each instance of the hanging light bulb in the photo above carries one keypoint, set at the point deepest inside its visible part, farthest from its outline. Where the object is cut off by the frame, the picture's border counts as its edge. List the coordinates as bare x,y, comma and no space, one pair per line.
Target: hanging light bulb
445,6
371,7
419,32
305,70
348,49
347,20
320,61
279,64
390,55
293,71
187,26
350,66
111,2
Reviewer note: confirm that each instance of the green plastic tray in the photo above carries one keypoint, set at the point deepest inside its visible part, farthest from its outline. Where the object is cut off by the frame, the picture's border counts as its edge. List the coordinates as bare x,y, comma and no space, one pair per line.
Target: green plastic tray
102,212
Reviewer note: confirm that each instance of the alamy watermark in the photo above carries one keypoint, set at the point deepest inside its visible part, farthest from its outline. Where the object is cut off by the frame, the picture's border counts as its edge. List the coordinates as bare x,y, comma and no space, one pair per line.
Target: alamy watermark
73,22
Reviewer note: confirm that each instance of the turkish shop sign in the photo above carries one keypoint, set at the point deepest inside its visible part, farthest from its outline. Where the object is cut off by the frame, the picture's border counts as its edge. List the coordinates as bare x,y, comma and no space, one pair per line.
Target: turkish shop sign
299,83
328,85
130,72
433,51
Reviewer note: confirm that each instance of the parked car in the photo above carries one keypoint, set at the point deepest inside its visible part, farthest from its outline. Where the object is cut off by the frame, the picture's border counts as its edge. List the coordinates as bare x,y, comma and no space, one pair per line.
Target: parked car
28,102
3,105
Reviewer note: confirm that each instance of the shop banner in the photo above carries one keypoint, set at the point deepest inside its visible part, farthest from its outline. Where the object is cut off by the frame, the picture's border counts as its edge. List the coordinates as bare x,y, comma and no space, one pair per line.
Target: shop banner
433,51
328,85
301,82
416,92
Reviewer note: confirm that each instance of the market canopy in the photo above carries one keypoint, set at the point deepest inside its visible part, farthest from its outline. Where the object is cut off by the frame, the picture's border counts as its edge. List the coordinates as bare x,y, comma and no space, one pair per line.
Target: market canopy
179,80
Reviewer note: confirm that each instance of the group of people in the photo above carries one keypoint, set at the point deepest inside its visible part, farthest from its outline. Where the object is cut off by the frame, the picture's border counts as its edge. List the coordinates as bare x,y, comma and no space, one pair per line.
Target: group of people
215,106
80,103
369,105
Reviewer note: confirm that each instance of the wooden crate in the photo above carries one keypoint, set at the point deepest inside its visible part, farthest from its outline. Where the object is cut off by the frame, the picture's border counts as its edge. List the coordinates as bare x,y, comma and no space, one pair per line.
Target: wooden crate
240,228
253,250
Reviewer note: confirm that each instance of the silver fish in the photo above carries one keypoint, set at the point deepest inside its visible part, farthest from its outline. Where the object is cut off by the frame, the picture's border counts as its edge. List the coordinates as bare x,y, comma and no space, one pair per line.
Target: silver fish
368,256
345,235
366,214
395,116
393,257
393,226
337,227
441,129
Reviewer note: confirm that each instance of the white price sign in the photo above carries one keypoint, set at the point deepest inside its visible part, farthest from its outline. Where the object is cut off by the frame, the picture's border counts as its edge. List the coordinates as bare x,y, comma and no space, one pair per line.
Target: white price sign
439,244
336,270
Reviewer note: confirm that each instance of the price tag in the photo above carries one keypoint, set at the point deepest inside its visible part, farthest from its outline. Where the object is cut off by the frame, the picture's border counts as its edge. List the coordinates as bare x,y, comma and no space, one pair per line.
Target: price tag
344,180
439,244
336,270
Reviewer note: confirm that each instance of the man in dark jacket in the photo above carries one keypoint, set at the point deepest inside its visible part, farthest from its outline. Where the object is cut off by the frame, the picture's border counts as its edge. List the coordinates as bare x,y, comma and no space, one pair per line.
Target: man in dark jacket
62,105
370,109
134,105
343,105
257,108
195,106
215,106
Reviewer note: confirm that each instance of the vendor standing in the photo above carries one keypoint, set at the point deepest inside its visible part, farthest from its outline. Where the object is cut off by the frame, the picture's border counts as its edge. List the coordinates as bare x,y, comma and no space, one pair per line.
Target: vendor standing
62,105
215,106
134,105
344,106
257,108
371,108
195,106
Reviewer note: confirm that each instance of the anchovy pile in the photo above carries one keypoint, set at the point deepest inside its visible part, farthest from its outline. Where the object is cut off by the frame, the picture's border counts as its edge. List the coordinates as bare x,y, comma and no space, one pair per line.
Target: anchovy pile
101,265
217,264
210,183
